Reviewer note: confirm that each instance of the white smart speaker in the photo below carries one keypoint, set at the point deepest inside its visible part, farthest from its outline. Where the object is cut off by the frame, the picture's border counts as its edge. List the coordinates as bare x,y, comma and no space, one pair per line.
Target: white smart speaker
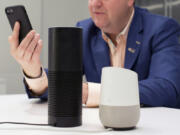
119,106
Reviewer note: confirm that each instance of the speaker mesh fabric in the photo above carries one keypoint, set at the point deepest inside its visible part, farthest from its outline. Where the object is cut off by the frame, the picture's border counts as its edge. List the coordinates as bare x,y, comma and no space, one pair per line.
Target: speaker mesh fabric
65,84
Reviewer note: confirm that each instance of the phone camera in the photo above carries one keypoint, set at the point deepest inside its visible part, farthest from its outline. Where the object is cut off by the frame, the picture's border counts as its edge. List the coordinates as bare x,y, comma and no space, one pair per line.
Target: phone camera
9,11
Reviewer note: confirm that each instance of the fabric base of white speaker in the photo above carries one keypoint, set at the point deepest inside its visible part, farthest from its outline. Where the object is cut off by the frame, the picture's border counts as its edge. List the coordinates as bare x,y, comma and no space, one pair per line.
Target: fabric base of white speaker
121,117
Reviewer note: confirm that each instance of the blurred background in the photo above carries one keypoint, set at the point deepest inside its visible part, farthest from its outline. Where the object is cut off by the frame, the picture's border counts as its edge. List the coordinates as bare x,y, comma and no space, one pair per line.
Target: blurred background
47,13
170,8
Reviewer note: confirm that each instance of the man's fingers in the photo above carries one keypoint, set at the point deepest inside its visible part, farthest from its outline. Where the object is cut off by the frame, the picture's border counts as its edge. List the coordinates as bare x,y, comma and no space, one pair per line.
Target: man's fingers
13,45
16,29
37,51
25,43
84,93
31,48
14,38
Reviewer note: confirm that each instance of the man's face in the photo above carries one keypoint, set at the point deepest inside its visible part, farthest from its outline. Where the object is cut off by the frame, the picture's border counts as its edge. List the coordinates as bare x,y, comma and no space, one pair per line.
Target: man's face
109,13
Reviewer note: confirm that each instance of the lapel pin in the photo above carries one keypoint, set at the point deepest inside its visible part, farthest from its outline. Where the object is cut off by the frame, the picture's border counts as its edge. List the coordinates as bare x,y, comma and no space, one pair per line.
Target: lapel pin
131,50
138,43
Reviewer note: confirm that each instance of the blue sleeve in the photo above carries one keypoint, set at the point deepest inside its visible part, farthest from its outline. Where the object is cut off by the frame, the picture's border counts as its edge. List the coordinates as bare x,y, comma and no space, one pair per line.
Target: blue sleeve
78,25
30,94
162,87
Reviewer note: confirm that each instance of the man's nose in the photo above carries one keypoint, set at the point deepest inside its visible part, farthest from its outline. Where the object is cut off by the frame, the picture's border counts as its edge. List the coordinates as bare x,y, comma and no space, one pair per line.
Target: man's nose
96,3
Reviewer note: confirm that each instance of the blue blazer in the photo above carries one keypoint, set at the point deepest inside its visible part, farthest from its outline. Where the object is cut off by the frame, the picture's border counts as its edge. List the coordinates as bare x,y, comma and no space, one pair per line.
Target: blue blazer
156,57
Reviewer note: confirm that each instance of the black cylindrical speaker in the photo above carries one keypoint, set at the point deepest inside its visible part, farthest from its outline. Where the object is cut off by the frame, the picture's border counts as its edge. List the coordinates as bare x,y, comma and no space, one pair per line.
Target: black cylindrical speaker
65,77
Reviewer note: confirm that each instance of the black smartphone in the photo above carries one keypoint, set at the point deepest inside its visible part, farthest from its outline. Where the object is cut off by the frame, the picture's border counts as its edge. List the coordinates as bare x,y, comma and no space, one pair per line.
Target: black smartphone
18,13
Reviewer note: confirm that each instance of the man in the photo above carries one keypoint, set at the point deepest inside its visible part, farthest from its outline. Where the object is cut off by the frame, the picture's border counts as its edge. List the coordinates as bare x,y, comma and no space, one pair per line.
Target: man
121,35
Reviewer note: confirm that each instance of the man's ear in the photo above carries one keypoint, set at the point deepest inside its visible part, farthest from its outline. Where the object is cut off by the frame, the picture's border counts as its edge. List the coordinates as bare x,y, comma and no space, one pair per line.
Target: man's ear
131,3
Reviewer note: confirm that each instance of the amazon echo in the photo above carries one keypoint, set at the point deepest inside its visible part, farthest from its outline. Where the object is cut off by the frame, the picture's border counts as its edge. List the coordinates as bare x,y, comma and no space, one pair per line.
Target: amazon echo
65,76
119,99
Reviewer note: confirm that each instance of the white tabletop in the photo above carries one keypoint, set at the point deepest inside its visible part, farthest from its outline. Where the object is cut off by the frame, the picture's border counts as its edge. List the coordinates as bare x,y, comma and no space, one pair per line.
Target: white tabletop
18,108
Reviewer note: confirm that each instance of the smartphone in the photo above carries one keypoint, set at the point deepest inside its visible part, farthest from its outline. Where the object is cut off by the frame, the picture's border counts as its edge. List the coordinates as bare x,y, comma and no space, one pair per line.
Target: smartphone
18,13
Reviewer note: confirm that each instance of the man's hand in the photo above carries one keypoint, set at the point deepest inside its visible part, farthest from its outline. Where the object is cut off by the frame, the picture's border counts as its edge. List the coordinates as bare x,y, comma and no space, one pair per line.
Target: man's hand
84,93
26,53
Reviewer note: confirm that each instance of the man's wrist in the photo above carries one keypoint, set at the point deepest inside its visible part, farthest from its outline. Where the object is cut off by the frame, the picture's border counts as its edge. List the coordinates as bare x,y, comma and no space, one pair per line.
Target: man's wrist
30,77
37,85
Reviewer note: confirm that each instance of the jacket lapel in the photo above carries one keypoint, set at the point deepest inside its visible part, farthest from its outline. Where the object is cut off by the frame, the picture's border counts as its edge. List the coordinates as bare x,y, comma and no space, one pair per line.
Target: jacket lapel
100,52
100,49
134,40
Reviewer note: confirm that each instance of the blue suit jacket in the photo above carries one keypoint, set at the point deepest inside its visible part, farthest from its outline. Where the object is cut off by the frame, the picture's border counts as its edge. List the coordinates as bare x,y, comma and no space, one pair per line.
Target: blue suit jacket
156,59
